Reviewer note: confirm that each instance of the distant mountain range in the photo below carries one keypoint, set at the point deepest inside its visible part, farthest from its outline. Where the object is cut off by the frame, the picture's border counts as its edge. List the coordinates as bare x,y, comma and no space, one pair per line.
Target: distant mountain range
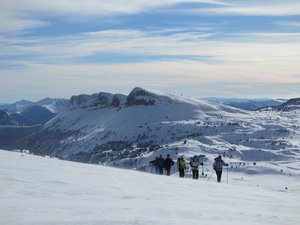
54,105
247,104
128,130
27,113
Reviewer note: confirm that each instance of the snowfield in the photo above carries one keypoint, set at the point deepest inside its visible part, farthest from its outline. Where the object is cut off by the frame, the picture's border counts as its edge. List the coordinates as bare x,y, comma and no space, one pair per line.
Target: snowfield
38,190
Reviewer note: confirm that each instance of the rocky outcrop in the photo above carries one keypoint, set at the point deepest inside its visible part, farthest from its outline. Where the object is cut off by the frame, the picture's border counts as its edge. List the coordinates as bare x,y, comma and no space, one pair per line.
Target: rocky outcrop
139,96
79,101
96,101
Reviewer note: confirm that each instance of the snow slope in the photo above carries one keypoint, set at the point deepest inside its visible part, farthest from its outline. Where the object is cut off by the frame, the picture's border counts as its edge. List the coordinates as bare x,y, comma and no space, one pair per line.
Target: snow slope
47,191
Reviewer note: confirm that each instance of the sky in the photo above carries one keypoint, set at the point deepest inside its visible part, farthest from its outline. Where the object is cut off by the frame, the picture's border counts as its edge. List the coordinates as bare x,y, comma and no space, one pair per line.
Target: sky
203,48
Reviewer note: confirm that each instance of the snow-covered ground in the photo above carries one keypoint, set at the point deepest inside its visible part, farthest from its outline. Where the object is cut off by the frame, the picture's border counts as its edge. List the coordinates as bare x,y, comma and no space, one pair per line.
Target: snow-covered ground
46,191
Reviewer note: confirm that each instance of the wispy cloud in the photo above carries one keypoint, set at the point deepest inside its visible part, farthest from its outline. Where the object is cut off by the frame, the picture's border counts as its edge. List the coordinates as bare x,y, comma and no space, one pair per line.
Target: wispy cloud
69,79
17,15
13,24
236,62
135,42
27,14
268,57
256,7
199,42
290,23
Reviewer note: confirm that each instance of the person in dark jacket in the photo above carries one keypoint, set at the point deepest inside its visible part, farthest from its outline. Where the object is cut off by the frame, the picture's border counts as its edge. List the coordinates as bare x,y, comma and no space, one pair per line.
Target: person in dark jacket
168,164
154,164
194,163
161,164
218,167
181,166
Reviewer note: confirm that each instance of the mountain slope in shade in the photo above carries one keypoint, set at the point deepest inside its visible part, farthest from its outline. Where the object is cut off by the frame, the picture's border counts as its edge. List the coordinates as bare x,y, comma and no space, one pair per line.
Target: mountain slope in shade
290,105
32,115
5,118
38,114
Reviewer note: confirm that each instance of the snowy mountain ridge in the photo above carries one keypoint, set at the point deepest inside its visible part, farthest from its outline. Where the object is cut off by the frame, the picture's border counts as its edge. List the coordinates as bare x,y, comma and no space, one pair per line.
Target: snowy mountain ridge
27,113
54,105
247,104
129,131
138,96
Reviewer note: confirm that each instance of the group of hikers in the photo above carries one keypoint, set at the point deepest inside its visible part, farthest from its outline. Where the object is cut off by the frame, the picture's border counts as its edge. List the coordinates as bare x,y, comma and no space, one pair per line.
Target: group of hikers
160,164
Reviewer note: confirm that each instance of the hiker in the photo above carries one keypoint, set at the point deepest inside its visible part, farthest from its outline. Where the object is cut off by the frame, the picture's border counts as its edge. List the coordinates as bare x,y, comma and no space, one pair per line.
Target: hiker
154,164
161,164
218,167
181,166
168,164
194,163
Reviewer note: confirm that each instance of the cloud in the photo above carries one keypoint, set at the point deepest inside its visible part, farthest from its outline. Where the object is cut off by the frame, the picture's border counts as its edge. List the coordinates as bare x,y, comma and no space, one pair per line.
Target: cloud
260,48
263,58
10,23
18,15
95,7
290,23
255,8
175,55
190,77
180,71
25,14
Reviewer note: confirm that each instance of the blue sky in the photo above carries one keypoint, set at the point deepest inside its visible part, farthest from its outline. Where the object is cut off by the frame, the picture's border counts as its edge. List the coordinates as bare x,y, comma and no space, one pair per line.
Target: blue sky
202,48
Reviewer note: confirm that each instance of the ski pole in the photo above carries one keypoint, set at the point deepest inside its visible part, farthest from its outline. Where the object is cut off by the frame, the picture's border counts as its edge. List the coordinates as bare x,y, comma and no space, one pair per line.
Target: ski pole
210,175
227,174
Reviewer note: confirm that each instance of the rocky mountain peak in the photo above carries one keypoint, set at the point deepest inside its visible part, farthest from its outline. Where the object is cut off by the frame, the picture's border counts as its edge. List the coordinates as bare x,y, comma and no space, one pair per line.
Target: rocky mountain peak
139,96
96,101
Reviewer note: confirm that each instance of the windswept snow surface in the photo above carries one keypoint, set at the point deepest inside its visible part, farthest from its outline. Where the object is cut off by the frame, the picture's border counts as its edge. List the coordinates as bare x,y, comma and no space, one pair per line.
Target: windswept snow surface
46,191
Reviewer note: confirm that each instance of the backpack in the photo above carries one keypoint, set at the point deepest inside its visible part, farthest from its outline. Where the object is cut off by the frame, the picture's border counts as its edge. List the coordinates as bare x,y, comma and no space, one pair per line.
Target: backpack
195,162
181,163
